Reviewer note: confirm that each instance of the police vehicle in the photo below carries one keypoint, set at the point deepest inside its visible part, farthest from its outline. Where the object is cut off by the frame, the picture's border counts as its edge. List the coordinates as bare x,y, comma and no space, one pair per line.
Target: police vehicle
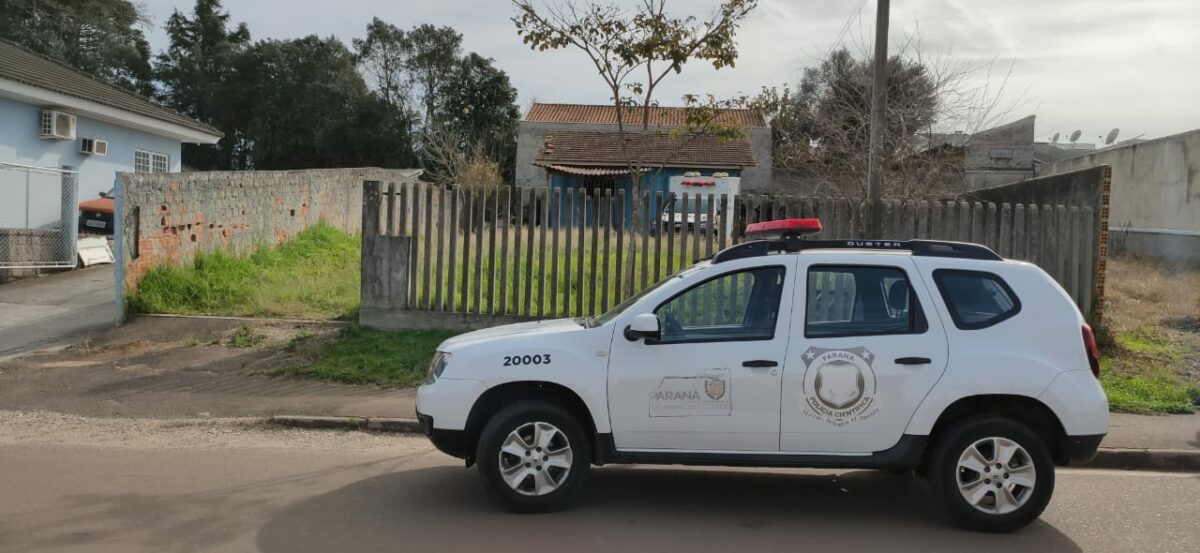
977,372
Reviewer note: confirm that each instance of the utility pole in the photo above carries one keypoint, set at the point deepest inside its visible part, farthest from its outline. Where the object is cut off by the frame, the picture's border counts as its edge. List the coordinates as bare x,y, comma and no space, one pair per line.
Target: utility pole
878,115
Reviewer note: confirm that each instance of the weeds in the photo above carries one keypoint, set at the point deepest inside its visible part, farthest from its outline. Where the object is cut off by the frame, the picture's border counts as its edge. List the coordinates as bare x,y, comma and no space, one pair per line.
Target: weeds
363,356
314,275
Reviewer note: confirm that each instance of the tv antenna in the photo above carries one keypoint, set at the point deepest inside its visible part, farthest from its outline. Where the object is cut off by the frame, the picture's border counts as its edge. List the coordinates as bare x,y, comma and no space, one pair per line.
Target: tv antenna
1075,136
1054,139
1112,136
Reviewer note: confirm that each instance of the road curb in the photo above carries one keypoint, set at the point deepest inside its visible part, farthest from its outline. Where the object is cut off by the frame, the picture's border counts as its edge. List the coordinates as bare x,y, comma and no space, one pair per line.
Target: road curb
1147,459
376,424
1106,458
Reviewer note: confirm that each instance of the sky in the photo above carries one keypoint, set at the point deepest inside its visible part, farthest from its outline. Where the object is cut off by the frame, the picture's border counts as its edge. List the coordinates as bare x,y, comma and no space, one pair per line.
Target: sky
1088,65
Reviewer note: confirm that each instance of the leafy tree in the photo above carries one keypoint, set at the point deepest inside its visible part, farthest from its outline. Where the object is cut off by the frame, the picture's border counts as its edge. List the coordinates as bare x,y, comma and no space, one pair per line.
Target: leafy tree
311,108
435,53
383,56
467,107
479,110
823,129
100,37
195,76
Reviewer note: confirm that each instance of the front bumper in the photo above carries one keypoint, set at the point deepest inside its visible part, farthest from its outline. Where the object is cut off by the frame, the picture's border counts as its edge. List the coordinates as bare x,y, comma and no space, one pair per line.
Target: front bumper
1080,450
450,442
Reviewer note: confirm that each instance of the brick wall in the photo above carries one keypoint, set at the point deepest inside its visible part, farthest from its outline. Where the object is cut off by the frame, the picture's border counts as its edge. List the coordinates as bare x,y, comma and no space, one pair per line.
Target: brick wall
169,218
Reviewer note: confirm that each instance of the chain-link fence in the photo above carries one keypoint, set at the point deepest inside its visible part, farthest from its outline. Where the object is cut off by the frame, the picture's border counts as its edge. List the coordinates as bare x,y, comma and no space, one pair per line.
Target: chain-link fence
38,216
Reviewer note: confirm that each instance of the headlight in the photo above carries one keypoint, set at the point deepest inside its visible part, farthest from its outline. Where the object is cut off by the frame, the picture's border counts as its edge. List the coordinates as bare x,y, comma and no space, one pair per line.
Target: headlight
436,366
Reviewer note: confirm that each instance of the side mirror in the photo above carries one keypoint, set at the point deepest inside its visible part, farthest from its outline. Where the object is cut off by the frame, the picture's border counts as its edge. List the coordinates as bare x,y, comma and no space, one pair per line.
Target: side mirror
643,326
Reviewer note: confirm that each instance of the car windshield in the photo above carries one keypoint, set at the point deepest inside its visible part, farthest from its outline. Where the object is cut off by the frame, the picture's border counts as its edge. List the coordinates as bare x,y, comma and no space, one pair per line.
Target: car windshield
591,322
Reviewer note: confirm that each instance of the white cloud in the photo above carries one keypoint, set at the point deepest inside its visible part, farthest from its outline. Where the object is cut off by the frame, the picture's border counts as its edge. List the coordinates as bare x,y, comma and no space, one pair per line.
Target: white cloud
1087,64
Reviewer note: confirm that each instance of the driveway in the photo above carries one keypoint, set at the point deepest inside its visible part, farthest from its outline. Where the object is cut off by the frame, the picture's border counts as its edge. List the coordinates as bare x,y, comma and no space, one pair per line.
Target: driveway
43,310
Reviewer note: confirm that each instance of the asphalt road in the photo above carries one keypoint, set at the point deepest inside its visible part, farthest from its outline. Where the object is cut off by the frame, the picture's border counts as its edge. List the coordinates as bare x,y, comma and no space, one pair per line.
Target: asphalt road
69,484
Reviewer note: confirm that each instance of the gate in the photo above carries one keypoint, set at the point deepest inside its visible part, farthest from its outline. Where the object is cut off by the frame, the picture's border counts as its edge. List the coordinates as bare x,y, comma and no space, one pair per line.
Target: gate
38,217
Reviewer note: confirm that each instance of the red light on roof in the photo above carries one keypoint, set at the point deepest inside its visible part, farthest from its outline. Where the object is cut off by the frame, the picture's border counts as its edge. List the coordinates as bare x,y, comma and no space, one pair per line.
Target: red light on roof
785,228
699,183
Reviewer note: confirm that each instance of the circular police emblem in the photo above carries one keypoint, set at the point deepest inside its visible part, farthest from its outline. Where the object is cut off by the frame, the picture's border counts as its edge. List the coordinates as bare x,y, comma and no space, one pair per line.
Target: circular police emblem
839,385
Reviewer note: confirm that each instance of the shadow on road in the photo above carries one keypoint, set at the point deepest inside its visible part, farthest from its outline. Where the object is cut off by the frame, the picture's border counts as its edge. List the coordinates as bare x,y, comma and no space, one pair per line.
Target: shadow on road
639,509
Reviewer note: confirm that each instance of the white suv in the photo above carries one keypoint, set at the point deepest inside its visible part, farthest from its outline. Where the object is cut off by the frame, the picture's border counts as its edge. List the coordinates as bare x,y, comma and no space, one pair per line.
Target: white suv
977,371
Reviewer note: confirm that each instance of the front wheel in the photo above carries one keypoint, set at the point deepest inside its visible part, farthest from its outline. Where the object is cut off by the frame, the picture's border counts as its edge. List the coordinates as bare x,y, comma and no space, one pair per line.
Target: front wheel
991,474
533,457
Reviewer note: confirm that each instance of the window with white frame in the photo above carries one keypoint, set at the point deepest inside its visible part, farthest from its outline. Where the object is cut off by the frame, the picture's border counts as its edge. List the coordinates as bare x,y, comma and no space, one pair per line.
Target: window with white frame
150,162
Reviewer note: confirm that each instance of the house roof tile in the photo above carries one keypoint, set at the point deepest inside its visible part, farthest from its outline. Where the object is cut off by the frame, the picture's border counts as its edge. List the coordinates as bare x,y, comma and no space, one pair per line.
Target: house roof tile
26,67
593,148
661,116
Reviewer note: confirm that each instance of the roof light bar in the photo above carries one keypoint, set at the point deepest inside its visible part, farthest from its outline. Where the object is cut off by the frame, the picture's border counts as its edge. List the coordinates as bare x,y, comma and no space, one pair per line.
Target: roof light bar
782,228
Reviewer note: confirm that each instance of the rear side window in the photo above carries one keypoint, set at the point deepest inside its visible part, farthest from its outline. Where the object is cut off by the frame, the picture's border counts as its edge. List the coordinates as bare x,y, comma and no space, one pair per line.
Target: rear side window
860,301
976,299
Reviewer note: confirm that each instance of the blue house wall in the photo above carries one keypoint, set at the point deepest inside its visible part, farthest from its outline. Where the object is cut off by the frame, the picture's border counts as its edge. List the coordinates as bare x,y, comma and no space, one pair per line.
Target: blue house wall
652,182
19,143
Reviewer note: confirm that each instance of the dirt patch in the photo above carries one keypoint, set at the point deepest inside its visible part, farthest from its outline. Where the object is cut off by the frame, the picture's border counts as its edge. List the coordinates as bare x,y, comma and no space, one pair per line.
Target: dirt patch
165,367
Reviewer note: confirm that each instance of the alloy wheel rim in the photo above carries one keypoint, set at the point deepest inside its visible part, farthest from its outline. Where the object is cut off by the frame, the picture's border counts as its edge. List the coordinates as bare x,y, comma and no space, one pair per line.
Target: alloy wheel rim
535,459
996,475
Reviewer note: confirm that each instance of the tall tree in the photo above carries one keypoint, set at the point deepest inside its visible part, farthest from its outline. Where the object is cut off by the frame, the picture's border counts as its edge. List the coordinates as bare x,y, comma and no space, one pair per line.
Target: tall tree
311,108
195,76
435,52
383,55
101,37
823,129
479,110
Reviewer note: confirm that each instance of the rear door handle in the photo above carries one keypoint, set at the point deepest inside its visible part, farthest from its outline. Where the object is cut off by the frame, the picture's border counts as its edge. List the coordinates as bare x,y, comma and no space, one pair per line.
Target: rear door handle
913,361
760,363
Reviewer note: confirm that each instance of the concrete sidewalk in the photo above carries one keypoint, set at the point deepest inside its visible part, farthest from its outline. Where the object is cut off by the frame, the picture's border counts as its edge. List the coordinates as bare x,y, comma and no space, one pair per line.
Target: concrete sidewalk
43,310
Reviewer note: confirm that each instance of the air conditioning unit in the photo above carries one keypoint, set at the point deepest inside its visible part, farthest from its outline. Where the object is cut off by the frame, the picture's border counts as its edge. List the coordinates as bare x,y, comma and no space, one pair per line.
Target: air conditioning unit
58,125
93,146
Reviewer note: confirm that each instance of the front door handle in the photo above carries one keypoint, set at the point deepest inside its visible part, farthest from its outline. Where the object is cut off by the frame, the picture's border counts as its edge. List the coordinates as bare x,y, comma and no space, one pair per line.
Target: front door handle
760,363
913,361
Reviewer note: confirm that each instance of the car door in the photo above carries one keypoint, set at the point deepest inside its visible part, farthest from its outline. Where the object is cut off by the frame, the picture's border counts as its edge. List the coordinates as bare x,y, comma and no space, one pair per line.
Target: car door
866,348
712,380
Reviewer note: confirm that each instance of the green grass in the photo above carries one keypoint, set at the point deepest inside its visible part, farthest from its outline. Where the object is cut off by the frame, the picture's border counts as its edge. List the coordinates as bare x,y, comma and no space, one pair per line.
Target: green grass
1139,374
1145,394
314,275
363,356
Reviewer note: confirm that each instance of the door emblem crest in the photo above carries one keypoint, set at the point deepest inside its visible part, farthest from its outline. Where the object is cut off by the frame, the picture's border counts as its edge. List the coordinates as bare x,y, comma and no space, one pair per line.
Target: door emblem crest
839,385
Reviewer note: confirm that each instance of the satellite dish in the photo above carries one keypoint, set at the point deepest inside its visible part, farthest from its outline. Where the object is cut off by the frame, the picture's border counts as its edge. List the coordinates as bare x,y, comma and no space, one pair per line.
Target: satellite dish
1075,136
1054,139
1112,136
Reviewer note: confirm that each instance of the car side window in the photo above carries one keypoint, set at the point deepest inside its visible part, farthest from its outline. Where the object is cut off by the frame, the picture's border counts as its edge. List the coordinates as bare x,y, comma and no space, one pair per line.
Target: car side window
860,301
741,305
976,299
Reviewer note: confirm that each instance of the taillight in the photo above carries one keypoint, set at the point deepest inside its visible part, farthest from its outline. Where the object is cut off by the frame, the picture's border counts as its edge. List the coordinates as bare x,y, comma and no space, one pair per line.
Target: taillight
1093,351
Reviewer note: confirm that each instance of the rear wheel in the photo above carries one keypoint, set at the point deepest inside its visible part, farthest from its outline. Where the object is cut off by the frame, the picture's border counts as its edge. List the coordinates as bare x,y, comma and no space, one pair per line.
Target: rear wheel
533,457
992,474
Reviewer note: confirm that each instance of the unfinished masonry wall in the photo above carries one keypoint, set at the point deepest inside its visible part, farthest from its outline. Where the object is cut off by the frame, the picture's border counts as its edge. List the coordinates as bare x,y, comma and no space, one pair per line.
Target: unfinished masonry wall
170,217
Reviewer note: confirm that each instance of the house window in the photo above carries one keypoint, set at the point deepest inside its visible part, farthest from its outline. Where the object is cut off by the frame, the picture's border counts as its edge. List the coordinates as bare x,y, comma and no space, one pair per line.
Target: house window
150,162
1001,153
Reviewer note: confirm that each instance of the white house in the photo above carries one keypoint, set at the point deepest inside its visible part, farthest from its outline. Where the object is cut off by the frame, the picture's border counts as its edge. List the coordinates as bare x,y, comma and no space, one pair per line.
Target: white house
53,116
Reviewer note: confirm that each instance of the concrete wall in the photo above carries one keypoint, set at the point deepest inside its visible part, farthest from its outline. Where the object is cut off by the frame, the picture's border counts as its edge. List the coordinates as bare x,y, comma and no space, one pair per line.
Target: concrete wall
169,218
984,169
1155,195
532,134
1086,188
19,143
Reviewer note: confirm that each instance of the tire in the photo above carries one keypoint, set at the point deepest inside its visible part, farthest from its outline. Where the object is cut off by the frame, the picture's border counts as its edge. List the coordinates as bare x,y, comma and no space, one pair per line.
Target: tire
1012,503
516,427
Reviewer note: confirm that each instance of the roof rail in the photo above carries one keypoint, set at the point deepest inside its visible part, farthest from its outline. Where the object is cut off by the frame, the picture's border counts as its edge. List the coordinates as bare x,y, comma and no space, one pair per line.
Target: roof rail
929,248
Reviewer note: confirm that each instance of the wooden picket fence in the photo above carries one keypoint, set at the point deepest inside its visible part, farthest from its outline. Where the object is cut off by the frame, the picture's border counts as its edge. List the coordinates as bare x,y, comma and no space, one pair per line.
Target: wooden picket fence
510,253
